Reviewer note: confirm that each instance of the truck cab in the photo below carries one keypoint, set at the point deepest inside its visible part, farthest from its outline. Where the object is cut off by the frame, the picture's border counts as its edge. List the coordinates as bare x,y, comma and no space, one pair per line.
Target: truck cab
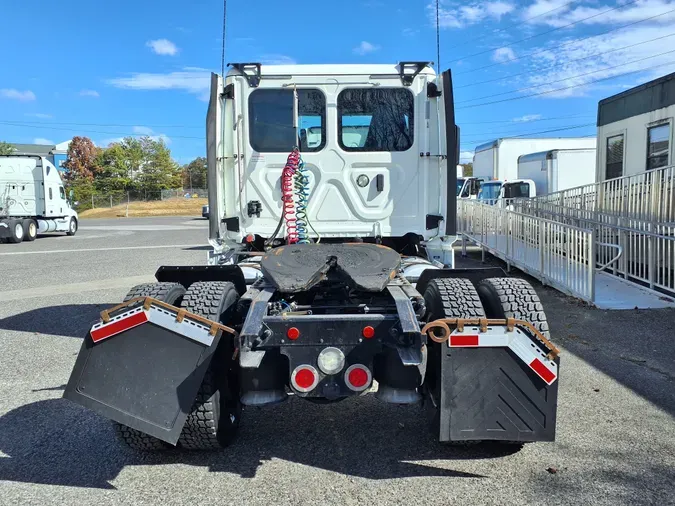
371,141
501,193
468,187
32,199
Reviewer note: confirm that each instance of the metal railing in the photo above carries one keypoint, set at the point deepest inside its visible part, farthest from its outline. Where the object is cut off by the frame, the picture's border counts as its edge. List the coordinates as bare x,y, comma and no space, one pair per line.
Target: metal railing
559,254
647,196
647,248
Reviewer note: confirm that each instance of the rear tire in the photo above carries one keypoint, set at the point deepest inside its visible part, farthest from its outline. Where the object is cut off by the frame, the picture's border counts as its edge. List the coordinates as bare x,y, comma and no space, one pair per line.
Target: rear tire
171,293
17,231
446,298
513,298
30,228
214,419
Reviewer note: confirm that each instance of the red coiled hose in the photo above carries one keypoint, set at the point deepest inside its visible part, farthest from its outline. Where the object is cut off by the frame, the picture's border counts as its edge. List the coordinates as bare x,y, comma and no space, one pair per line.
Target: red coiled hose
288,210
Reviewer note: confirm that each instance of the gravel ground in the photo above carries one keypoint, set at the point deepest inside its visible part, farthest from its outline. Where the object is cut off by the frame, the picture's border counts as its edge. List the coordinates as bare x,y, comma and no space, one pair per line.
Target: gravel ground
615,441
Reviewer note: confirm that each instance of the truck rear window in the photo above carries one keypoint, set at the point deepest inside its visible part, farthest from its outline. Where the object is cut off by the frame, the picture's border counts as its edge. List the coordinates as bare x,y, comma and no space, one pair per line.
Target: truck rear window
376,119
270,114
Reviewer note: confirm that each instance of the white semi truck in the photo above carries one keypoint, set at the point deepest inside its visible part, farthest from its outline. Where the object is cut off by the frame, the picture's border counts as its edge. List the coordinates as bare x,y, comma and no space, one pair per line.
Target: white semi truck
332,213
32,199
558,169
498,160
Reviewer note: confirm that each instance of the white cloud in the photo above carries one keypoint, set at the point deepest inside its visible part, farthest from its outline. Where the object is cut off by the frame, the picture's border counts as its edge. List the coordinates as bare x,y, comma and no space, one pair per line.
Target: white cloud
190,79
503,54
365,47
149,132
527,118
163,47
38,115
579,62
104,143
21,96
142,130
454,14
465,156
598,13
89,93
277,59
42,140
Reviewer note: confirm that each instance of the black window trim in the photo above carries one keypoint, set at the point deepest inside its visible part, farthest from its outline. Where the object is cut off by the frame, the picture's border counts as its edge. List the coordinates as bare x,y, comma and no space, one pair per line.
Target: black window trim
612,135
324,129
339,118
655,124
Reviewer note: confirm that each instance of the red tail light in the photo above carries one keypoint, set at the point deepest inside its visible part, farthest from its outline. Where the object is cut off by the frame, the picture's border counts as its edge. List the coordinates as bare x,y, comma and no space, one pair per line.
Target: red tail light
368,332
304,378
293,333
358,377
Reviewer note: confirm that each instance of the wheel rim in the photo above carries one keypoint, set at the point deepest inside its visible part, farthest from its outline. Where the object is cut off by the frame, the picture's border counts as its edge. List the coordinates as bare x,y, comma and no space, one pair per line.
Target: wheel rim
32,229
72,226
18,230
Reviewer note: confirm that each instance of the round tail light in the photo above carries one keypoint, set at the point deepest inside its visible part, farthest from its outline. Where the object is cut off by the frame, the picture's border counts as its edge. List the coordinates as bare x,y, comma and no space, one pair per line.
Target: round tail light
304,378
358,377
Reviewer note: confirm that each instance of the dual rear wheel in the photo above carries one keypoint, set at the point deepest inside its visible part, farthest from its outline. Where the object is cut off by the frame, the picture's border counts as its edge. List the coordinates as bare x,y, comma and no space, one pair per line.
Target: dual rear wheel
213,421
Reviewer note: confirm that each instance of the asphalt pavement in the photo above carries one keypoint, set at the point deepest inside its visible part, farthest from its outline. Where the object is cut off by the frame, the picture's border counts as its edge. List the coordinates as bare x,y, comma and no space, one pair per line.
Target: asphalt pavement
616,430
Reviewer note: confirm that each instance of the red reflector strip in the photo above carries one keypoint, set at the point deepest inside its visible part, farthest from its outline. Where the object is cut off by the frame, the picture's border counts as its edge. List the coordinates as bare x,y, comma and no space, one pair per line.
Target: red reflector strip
538,367
118,326
463,340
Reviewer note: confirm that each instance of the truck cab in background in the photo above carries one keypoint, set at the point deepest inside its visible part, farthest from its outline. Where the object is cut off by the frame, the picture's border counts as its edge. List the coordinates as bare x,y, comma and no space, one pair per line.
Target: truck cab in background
32,199
468,187
501,193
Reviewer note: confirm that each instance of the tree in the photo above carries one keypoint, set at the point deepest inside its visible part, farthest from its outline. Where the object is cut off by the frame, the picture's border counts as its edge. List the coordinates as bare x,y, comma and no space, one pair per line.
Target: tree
113,171
6,148
468,169
194,174
159,170
81,161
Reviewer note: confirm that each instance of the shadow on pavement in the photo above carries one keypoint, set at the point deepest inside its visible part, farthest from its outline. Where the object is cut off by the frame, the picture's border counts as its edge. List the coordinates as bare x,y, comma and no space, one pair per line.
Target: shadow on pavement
70,320
57,442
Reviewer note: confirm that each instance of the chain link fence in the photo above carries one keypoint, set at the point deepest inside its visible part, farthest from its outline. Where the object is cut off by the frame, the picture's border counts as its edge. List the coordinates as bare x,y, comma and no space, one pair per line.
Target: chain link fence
113,199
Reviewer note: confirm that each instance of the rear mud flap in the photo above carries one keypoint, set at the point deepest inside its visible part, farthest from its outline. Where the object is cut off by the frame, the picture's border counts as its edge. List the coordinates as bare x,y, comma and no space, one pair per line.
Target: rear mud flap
490,394
145,377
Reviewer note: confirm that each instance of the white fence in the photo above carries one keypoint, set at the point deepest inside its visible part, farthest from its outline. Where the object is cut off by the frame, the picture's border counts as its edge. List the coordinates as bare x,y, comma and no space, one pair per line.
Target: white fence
559,254
648,247
646,196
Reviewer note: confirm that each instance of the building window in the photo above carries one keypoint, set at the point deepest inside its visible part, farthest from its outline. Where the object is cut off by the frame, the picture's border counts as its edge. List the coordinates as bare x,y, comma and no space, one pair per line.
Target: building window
376,119
658,144
614,158
271,120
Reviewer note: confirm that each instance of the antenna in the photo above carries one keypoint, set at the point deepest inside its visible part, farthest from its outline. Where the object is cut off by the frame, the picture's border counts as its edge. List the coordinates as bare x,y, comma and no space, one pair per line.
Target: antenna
438,41
222,57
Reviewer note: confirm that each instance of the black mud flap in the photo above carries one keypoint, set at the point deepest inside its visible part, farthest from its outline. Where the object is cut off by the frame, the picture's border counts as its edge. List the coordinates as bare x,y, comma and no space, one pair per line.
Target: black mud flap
490,394
146,377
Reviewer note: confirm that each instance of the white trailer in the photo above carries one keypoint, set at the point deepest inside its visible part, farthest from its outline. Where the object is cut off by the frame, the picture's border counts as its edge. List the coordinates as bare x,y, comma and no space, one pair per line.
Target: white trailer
32,199
499,159
558,169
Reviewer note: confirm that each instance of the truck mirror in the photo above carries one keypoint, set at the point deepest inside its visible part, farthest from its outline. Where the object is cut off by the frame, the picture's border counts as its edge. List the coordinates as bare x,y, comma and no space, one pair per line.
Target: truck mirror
71,194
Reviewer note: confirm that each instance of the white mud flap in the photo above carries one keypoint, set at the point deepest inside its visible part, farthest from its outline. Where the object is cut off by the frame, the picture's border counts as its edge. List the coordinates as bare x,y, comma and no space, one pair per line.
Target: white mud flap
144,365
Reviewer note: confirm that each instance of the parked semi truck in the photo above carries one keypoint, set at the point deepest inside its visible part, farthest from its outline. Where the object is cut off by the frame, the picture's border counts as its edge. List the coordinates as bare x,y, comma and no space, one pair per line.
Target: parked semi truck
331,272
32,199
558,169
498,160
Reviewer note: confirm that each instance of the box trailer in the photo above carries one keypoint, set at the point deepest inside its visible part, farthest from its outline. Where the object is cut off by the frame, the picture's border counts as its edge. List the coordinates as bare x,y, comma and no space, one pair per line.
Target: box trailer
499,159
326,279
558,169
32,199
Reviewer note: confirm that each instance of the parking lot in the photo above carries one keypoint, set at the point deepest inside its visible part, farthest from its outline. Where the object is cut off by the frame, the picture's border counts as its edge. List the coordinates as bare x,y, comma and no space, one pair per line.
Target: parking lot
616,432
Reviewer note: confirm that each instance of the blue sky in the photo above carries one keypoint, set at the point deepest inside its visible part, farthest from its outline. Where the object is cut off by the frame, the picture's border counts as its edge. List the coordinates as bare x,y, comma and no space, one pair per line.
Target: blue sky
106,70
